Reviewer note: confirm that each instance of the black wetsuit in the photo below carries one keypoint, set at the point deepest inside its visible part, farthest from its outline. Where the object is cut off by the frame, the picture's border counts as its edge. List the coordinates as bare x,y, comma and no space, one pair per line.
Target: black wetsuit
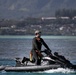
36,45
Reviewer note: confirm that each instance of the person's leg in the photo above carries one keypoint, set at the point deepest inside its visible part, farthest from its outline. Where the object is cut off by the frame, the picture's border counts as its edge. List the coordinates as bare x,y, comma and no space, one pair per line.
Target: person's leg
39,61
35,57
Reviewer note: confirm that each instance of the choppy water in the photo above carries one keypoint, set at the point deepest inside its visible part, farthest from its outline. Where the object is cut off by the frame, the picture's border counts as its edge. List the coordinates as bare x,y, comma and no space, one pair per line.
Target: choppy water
20,46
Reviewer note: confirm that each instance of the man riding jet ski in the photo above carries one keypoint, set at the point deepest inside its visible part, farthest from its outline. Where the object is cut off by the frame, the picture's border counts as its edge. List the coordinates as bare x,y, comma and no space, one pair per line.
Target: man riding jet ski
37,43
36,55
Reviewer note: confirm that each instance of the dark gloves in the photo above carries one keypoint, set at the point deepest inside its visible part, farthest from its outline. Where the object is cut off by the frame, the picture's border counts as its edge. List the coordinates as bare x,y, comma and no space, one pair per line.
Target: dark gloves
48,52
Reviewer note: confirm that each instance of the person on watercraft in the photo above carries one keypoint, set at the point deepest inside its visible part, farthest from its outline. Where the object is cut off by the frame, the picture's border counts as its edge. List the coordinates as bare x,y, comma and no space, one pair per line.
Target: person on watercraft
36,47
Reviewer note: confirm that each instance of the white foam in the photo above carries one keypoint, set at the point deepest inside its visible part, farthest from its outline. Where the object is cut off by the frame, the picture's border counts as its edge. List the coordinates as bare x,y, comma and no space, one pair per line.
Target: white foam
60,70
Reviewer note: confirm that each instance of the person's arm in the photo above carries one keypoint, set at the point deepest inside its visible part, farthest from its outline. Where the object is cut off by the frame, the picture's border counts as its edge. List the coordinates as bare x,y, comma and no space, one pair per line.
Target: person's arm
45,44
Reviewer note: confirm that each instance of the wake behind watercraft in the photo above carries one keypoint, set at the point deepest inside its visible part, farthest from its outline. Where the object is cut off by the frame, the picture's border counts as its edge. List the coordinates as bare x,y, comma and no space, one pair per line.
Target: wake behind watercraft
48,62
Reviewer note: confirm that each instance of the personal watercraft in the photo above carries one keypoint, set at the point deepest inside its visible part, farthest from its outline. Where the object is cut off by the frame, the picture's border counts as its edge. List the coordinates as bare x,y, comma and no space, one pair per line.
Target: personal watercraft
48,62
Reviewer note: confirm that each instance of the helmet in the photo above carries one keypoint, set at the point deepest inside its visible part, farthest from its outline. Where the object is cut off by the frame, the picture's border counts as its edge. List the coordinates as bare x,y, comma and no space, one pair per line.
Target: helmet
37,31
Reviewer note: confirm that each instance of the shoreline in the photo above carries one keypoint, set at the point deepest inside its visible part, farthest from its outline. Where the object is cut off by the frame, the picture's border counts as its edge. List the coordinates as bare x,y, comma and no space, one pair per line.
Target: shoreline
31,36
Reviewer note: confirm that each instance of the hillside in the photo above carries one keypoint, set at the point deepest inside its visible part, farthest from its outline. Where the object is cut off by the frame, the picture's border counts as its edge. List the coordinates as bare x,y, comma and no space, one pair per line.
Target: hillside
65,27
33,8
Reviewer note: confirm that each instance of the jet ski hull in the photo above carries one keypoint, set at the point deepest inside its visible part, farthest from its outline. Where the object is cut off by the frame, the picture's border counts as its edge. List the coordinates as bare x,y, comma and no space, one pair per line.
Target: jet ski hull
31,68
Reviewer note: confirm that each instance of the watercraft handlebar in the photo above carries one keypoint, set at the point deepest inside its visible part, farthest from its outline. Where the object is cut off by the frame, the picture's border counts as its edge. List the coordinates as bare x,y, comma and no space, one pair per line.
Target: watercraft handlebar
48,52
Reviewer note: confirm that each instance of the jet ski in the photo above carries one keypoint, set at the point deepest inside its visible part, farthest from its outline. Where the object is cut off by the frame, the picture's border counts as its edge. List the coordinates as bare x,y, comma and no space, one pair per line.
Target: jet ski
48,62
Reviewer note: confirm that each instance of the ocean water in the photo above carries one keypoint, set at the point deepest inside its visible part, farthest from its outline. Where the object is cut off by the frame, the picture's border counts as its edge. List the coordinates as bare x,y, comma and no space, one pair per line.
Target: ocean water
12,47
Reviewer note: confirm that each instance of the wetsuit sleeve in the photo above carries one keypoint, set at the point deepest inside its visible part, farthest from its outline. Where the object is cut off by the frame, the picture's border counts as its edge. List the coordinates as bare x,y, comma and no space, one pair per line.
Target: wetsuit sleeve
35,46
43,42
